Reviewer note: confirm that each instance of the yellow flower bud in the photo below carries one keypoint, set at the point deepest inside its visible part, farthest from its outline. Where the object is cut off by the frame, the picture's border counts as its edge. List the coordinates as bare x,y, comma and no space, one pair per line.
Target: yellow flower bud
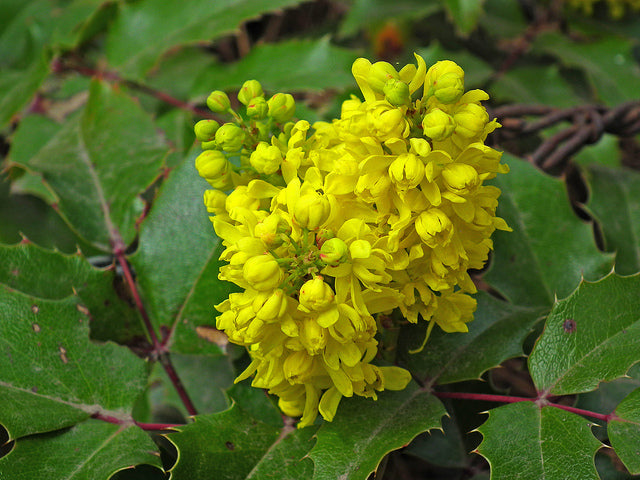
262,272
313,336
396,92
213,166
218,102
230,137
311,210
420,146
379,74
388,122
257,108
272,230
241,198
266,158
437,71
470,120
273,308
434,227
334,251
316,295
406,171
449,87
215,200
460,178
205,130
250,90
282,107
437,125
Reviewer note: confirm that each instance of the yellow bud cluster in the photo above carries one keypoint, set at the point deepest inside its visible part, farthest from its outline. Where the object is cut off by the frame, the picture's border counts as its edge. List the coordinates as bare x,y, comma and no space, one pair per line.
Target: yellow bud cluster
617,8
324,228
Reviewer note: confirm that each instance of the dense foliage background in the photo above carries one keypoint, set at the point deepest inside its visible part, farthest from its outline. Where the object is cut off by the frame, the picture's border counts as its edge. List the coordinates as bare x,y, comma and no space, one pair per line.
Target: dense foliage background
110,365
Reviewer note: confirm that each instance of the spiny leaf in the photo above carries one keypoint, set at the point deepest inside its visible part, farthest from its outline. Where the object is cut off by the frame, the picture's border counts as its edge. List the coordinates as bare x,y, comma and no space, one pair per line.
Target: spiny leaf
177,263
590,337
550,249
615,202
232,443
364,431
104,159
624,432
90,450
496,333
51,275
145,30
287,459
319,65
51,375
525,442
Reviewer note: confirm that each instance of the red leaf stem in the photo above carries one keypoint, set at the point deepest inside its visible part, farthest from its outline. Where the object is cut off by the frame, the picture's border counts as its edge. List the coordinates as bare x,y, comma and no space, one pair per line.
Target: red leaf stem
508,399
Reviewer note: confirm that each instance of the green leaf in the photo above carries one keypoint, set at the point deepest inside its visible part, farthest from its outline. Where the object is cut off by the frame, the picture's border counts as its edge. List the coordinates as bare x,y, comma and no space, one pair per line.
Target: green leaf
258,405
177,262
444,448
319,65
624,432
525,442
504,18
222,445
54,276
17,87
465,13
614,201
368,13
90,450
609,394
608,63
550,249
287,458
364,431
207,397
145,30
52,376
496,334
534,84
590,337
105,159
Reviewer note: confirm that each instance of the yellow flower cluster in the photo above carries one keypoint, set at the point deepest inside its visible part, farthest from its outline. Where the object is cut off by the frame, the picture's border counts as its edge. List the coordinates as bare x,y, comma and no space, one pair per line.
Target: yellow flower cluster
617,8
326,227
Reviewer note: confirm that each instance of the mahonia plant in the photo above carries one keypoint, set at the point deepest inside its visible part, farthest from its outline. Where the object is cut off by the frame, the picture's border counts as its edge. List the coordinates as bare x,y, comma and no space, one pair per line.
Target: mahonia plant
325,228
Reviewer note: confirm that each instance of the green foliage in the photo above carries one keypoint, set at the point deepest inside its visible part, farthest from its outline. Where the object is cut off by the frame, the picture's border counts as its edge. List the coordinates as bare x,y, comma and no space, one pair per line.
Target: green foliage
98,347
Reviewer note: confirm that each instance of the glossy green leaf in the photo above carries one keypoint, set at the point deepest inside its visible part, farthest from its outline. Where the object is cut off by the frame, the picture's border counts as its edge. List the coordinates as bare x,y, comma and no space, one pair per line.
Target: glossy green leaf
364,431
105,159
145,30
90,450
584,342
257,405
222,445
608,63
525,442
54,276
534,84
287,458
624,432
614,200
177,262
495,334
465,13
51,375
319,65
550,249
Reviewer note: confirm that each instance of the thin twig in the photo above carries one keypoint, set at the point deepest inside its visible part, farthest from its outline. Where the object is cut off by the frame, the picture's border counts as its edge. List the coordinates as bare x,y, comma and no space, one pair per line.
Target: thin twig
142,425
